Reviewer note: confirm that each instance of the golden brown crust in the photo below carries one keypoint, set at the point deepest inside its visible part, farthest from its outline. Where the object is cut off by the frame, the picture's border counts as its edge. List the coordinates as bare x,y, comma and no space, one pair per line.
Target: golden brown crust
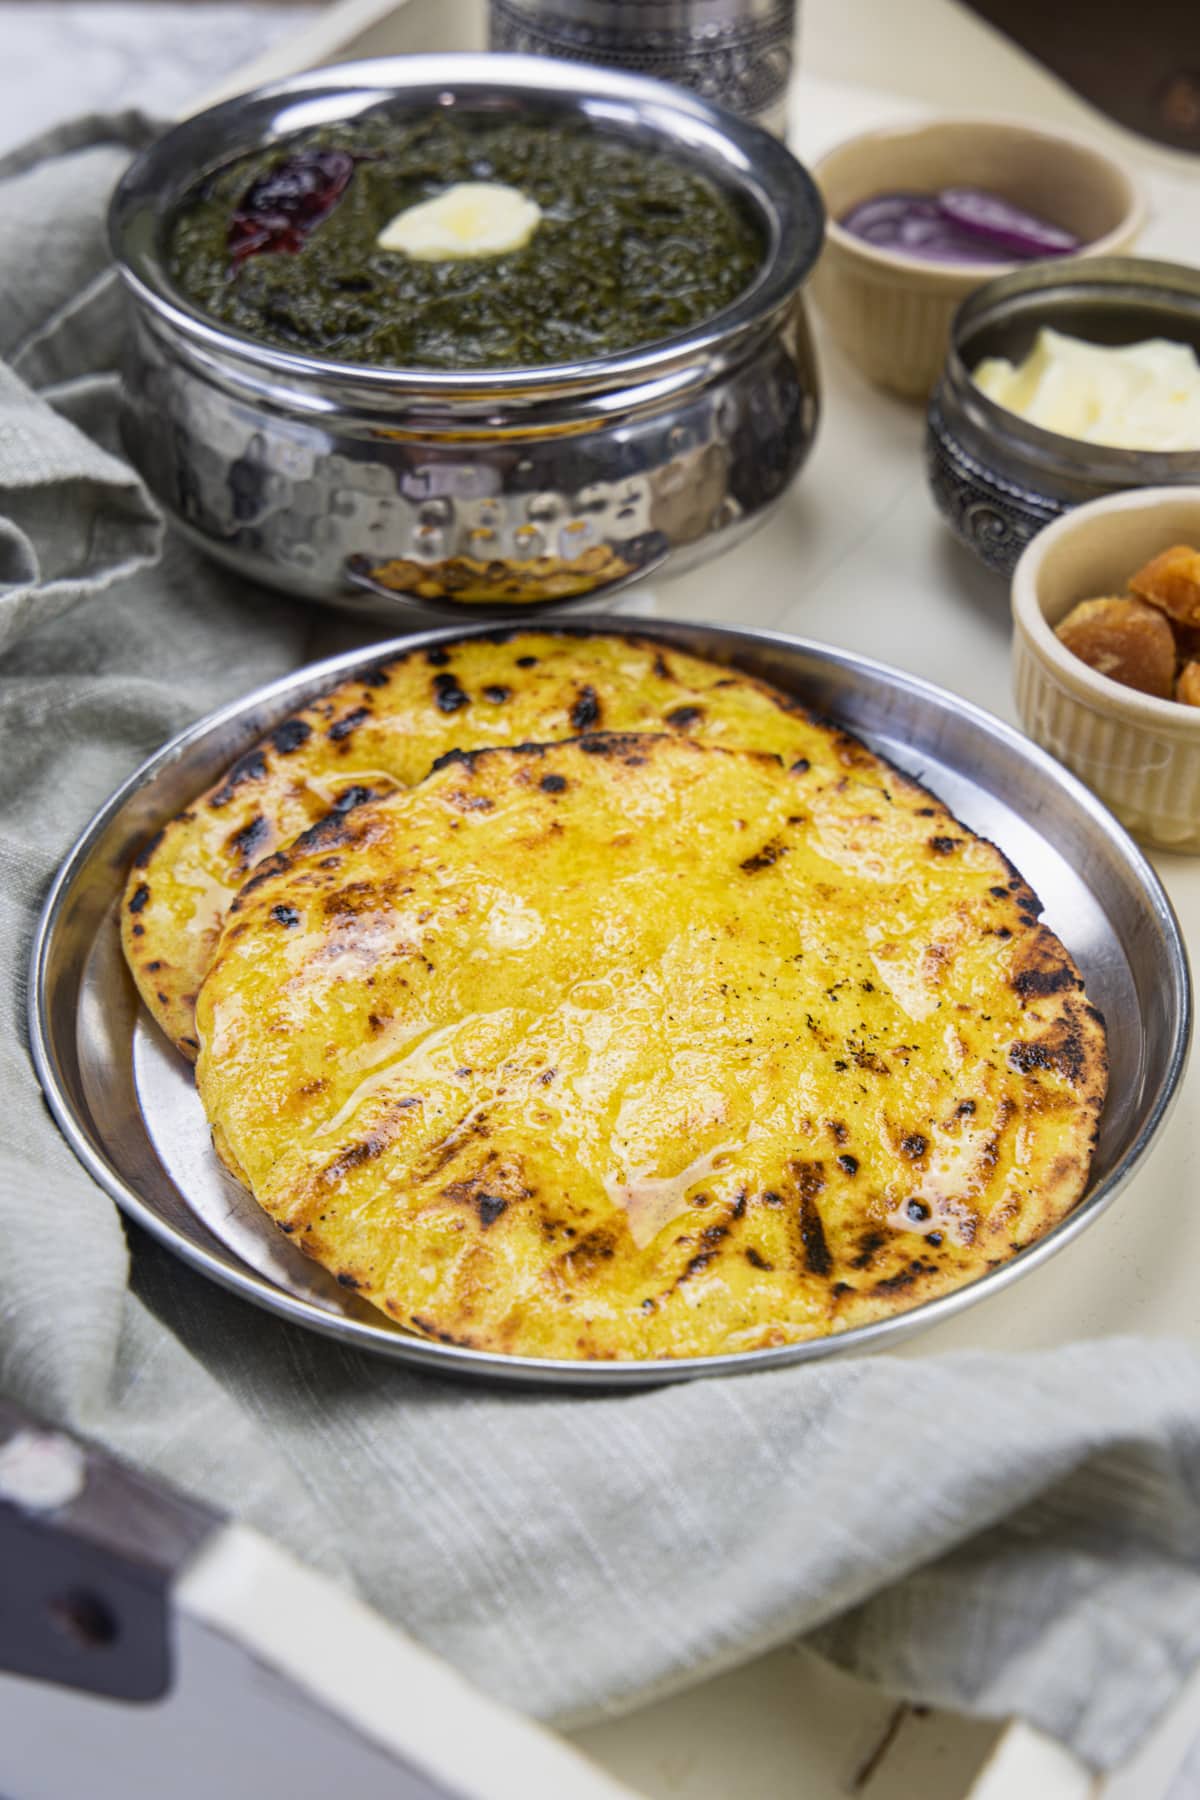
385,729
1171,581
508,581
1187,688
1127,640
629,1047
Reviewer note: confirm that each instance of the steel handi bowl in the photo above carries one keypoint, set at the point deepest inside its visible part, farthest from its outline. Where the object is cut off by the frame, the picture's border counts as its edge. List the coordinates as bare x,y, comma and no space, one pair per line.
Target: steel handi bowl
388,489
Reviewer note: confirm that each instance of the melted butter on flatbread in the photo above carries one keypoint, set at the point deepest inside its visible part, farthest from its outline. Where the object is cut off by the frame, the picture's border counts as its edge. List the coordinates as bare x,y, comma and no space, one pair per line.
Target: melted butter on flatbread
652,1202
383,730
732,1093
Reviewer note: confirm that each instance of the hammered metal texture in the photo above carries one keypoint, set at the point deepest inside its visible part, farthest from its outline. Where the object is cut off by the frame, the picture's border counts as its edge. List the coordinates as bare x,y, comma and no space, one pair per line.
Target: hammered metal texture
736,52
470,492
323,507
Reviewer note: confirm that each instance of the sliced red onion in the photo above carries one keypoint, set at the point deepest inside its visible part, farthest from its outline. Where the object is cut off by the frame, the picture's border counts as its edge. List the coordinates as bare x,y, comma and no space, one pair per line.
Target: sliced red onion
1009,228
958,225
938,241
881,219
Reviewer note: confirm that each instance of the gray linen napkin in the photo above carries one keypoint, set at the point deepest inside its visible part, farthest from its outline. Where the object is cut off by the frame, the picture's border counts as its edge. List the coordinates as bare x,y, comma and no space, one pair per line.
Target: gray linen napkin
996,1533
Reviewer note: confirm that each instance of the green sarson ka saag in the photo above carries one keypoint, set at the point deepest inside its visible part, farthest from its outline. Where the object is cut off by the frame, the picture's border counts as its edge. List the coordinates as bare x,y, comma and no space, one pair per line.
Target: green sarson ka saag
633,246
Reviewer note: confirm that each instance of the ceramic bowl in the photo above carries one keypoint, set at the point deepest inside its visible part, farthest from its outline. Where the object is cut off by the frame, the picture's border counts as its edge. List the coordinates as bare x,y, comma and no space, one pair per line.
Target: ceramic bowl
891,314
997,479
1141,755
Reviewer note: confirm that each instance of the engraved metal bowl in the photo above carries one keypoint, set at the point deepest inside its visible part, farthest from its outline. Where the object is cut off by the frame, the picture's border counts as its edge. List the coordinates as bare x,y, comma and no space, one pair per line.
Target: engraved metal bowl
737,52
997,479
392,490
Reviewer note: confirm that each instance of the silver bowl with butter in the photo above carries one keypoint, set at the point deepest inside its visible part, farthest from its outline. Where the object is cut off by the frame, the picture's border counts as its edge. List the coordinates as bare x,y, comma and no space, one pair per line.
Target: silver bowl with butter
393,489
997,477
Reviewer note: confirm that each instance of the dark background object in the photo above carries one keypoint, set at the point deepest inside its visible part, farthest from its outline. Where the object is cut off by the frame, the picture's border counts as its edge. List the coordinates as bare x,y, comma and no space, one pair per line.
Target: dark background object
1137,62
86,1583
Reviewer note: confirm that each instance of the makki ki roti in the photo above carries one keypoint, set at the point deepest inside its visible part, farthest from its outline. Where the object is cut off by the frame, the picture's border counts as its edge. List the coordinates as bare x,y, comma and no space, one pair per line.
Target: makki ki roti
629,1047
386,728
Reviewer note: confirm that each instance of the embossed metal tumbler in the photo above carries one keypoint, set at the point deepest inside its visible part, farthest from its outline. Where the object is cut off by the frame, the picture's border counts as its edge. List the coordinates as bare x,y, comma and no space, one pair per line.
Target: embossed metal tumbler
736,52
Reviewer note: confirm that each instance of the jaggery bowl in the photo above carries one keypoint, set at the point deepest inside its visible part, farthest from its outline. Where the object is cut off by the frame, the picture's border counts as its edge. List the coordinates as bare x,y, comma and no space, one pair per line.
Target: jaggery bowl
891,313
1140,754
996,478
474,489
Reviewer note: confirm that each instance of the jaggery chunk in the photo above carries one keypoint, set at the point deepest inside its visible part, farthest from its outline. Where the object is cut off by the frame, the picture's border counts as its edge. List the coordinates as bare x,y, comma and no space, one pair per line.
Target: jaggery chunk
1171,581
1126,640
1187,642
1187,688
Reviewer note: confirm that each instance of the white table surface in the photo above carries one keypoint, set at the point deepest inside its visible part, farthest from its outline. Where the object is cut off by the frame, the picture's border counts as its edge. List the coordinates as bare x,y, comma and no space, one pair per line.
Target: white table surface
857,556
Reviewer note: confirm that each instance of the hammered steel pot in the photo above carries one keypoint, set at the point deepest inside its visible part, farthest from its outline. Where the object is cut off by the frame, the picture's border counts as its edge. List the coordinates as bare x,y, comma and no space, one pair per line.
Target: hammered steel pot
737,52
385,489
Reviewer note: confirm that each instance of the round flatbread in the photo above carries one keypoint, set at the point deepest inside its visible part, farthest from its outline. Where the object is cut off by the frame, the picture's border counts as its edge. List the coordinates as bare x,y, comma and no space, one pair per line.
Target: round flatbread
385,729
630,1047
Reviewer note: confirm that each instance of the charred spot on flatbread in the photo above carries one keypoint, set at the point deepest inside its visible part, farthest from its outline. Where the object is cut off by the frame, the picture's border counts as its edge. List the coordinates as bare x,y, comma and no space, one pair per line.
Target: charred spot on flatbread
547,1071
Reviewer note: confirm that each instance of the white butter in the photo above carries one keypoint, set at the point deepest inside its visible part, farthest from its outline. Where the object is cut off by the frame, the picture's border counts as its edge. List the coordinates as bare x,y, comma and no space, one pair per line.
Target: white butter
472,218
1134,396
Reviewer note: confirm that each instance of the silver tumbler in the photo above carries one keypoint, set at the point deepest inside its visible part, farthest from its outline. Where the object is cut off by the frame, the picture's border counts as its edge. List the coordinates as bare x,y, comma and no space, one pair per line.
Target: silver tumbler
736,52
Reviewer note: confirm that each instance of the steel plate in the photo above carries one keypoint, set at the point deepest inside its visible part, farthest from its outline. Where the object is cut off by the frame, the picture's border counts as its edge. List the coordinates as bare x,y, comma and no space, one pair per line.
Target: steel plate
128,1106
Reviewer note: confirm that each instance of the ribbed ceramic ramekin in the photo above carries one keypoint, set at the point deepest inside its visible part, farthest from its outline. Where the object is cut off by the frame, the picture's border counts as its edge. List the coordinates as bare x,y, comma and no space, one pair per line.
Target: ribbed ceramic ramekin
891,313
1141,755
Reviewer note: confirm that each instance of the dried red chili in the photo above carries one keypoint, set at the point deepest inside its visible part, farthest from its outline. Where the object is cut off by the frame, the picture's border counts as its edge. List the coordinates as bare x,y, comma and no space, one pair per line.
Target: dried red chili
279,209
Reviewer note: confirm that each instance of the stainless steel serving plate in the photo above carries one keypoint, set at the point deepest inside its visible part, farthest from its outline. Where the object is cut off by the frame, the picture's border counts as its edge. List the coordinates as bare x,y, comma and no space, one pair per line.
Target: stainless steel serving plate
393,490
129,1108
